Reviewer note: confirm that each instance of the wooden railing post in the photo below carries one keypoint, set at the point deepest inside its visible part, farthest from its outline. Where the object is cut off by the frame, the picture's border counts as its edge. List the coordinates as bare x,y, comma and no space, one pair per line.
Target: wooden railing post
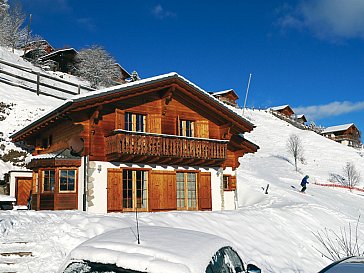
38,83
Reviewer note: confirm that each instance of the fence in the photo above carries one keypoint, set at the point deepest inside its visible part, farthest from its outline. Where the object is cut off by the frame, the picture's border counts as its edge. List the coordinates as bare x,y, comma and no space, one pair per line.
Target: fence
339,186
39,82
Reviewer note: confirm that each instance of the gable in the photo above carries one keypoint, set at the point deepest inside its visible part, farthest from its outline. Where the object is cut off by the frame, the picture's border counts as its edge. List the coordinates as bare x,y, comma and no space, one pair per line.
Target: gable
167,88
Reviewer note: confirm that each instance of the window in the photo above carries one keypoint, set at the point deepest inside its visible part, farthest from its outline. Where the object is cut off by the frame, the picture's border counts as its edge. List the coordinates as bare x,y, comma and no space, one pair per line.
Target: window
135,189
135,122
226,182
186,128
186,190
67,180
48,180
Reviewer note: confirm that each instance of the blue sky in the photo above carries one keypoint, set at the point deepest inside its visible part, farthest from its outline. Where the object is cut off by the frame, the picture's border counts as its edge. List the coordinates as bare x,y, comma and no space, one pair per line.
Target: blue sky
308,54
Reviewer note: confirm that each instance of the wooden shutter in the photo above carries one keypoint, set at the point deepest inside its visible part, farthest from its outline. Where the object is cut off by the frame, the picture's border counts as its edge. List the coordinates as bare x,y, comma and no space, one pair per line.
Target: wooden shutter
162,191
202,128
233,183
155,124
204,191
114,190
119,119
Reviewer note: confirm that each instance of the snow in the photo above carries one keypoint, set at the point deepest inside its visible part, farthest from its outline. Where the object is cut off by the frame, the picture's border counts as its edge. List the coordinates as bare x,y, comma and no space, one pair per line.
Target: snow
281,107
275,231
7,198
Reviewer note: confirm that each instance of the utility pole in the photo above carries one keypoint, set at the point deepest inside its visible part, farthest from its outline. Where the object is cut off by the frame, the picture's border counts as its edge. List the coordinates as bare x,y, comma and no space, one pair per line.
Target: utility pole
28,33
247,91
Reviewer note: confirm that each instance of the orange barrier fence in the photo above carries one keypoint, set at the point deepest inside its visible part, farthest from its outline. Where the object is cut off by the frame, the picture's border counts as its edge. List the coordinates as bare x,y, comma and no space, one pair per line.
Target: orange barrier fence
339,186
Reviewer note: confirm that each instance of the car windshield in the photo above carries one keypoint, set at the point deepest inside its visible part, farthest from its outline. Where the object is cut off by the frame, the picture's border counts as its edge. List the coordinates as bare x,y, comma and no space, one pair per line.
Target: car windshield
90,267
226,260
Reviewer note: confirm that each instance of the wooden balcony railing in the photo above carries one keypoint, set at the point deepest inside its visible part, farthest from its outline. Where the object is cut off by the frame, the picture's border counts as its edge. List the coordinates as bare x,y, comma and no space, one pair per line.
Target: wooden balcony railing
160,146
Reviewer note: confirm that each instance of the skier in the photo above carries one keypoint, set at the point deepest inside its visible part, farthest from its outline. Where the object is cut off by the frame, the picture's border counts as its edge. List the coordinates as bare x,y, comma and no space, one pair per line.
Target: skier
303,183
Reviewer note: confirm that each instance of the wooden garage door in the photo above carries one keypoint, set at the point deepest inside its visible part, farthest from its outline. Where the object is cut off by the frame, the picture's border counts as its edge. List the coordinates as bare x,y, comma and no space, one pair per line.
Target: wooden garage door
23,188
114,190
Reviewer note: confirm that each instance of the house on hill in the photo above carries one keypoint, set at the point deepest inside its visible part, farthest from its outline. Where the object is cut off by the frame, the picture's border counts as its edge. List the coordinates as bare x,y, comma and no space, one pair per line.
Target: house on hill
347,134
227,96
301,119
155,144
285,110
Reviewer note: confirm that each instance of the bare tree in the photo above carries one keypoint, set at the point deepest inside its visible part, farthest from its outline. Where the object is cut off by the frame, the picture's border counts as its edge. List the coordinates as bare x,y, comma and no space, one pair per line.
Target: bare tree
95,65
338,245
12,32
295,148
350,178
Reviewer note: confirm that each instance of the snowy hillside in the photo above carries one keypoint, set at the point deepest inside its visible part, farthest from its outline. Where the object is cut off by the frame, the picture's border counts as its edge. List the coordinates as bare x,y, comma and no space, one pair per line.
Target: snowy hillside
274,231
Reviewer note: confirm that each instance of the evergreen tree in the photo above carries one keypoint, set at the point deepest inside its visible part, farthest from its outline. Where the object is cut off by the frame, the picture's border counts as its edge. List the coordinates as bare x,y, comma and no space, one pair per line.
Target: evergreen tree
95,65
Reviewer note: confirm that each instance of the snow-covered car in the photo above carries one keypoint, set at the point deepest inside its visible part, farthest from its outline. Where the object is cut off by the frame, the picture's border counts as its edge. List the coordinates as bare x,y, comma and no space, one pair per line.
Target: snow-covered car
347,265
160,250
7,202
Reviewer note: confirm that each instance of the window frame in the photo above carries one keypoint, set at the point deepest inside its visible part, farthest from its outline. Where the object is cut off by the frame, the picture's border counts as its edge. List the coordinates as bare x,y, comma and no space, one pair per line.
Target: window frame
182,129
228,177
75,180
134,189
54,182
186,190
134,118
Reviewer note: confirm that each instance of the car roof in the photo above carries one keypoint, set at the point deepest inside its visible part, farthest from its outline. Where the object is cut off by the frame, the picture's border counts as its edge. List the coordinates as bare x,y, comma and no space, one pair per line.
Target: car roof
161,249
347,265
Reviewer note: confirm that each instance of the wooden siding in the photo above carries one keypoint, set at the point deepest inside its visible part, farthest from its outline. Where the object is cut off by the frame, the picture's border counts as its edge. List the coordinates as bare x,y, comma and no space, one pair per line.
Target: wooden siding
162,191
46,201
66,201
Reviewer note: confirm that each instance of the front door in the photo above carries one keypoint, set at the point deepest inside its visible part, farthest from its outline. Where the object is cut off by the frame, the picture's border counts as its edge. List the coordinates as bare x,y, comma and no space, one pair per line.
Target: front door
23,188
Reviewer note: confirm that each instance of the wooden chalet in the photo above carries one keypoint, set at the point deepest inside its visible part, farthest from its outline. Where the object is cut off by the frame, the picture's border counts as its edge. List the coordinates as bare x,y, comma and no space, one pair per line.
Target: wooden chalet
151,145
301,119
227,96
123,74
347,134
62,60
285,110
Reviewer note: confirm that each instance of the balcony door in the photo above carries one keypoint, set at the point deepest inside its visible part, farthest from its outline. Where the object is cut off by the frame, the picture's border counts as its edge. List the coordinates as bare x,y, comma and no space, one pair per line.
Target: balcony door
186,190
134,190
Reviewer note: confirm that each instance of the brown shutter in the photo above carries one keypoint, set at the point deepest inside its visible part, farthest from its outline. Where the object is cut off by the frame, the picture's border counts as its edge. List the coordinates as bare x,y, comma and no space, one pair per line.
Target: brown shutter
202,128
204,191
162,191
119,119
114,190
233,183
155,124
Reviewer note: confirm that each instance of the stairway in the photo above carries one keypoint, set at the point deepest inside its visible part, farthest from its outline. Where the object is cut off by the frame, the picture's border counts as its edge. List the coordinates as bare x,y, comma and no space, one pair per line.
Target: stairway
14,256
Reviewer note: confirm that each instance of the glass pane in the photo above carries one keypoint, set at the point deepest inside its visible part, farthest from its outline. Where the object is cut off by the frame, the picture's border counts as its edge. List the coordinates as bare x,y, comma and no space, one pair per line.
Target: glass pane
63,180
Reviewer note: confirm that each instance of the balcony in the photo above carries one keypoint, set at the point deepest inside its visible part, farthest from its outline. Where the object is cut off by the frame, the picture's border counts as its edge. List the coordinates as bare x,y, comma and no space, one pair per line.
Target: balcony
138,147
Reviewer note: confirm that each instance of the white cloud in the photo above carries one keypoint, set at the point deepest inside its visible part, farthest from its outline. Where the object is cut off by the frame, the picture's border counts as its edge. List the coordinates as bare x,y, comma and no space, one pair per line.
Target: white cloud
327,19
332,109
160,13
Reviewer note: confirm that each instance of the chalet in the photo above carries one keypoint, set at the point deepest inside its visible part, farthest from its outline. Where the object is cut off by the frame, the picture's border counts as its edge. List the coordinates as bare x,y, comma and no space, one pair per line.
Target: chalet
155,144
36,49
301,119
227,96
62,60
347,134
123,74
285,110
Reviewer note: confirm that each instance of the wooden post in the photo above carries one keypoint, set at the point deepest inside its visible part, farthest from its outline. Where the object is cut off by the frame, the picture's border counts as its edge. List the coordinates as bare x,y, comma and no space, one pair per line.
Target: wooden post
38,82
79,89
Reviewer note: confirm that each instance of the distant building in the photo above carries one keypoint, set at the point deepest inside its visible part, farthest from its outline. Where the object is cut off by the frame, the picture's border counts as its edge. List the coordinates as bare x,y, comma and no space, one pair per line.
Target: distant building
347,134
227,96
301,119
284,110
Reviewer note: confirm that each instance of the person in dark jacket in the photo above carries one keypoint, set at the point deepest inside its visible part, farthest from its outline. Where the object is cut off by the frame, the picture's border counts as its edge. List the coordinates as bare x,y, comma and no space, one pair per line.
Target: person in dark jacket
304,182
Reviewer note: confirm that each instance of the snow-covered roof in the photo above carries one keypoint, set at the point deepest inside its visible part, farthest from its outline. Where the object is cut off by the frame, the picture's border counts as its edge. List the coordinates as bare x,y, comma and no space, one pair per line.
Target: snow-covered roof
281,107
337,128
161,249
222,92
56,52
61,154
123,87
301,116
